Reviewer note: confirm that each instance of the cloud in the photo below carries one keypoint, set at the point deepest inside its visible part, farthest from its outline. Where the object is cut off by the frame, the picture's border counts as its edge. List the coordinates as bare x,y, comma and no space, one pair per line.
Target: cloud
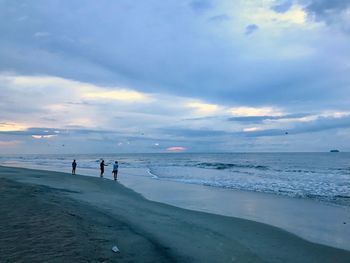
219,18
263,133
200,5
203,108
11,126
41,34
254,111
324,8
332,12
176,149
279,14
194,133
250,29
179,65
324,123
52,132
283,63
282,6
299,126
260,119
251,129
335,13
120,95
318,125
42,136
80,89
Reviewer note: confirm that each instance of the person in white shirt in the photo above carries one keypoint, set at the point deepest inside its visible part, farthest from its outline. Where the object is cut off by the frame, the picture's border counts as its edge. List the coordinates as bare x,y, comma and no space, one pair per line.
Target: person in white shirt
115,170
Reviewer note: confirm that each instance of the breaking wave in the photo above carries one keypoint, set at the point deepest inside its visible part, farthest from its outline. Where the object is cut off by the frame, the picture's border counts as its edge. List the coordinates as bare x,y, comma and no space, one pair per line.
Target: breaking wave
223,166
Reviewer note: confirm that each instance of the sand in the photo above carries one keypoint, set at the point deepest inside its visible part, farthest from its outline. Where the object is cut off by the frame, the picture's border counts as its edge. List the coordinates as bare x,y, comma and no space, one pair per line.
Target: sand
316,221
38,225
51,216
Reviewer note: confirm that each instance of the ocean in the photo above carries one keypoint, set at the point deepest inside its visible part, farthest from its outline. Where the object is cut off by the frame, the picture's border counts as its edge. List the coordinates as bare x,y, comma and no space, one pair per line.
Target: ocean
320,176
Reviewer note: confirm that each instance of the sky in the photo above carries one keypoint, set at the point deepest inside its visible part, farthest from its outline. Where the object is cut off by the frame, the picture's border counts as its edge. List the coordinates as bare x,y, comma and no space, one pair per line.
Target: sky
121,76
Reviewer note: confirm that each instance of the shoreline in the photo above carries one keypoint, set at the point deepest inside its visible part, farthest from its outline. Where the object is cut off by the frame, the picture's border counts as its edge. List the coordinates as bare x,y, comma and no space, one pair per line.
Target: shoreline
300,217
319,222
186,236
297,179
146,173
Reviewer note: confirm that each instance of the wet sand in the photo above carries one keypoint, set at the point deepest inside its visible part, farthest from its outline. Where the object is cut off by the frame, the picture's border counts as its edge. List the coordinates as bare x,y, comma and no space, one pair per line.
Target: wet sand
51,216
316,221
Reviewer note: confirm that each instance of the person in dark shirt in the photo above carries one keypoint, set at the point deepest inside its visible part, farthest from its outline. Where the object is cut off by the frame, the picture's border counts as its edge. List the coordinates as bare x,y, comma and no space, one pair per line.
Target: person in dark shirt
74,166
102,167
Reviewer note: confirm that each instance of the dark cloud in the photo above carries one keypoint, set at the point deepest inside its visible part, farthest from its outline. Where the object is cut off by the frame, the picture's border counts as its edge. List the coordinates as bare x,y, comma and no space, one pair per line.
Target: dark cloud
263,133
324,123
190,133
282,6
200,5
321,124
260,119
202,118
169,50
331,12
250,29
323,8
164,52
334,13
54,131
84,103
318,125
320,8
49,119
32,131
252,119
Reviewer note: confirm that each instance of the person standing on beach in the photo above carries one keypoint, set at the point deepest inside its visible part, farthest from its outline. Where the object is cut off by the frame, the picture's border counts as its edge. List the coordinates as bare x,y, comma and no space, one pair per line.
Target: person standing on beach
74,166
102,167
115,170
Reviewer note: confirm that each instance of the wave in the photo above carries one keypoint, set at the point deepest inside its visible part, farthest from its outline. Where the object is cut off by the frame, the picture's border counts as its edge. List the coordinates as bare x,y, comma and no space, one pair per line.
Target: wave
152,174
223,166
342,196
300,171
295,175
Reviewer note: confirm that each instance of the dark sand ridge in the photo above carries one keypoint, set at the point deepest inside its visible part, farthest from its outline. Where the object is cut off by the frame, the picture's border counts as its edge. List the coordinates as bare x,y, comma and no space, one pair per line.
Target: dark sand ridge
85,216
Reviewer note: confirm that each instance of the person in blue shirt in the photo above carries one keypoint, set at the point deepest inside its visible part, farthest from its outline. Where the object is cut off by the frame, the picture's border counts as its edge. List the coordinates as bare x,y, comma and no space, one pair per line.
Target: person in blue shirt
115,170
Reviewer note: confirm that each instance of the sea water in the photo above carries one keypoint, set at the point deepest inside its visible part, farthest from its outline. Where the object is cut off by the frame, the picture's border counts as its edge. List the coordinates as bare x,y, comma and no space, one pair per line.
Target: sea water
320,176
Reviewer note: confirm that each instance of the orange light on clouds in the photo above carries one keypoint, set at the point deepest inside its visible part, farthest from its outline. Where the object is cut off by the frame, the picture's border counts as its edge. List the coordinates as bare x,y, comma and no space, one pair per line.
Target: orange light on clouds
251,111
266,16
120,95
203,108
176,149
12,126
251,129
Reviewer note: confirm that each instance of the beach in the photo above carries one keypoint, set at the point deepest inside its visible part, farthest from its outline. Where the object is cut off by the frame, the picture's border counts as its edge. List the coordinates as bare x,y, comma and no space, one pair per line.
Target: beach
52,216
316,221
39,225
206,131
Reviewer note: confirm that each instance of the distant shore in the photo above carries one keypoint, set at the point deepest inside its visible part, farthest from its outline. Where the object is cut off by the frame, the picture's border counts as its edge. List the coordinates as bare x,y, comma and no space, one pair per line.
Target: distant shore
57,216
